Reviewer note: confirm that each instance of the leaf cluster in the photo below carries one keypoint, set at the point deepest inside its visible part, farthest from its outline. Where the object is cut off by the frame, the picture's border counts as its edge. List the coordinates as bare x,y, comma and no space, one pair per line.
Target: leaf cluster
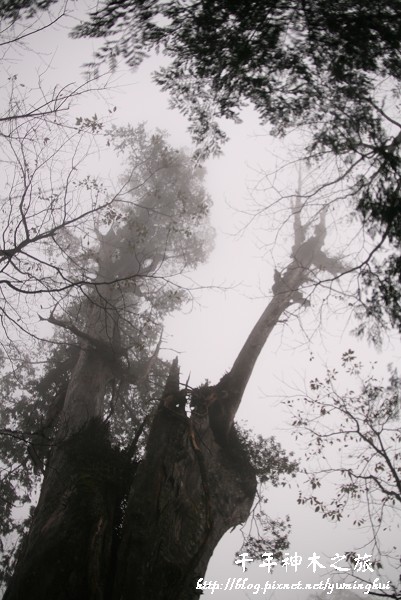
271,462
14,9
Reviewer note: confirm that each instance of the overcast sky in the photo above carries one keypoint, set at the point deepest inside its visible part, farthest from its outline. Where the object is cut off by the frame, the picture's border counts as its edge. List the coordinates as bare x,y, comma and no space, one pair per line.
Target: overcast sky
209,335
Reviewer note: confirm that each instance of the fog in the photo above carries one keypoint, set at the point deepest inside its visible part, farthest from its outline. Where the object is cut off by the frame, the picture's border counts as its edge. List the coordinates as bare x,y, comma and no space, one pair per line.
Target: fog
231,290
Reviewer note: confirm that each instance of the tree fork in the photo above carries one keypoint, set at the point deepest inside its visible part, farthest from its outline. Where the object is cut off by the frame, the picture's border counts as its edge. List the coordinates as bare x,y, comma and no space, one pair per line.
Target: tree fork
194,484
196,481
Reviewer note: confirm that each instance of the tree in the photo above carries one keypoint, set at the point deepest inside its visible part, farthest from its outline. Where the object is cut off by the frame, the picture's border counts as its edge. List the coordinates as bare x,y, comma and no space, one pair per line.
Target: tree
361,424
194,482
130,273
330,71
53,205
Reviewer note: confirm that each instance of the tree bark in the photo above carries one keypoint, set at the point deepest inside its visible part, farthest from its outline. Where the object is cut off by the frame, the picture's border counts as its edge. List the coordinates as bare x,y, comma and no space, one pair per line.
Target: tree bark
187,493
68,553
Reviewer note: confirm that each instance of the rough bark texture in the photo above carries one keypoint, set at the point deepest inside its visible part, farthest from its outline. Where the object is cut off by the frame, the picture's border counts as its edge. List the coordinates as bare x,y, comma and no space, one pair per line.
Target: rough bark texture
85,394
68,552
187,493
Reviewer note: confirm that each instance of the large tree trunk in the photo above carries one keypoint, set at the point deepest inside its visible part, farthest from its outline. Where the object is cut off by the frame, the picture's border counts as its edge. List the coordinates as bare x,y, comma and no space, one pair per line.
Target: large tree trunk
67,553
194,484
187,493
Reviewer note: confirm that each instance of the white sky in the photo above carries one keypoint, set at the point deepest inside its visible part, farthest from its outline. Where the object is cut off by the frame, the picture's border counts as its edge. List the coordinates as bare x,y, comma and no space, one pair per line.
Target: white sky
208,336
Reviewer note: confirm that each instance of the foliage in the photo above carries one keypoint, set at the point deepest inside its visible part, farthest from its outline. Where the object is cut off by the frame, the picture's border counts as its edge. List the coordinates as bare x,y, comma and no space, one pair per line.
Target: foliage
352,453
13,9
310,64
137,251
55,213
290,60
273,466
331,71
267,457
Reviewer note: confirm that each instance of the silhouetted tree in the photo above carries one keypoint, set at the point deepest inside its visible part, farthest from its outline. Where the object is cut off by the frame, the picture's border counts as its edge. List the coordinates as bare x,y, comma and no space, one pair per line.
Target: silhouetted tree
195,481
348,426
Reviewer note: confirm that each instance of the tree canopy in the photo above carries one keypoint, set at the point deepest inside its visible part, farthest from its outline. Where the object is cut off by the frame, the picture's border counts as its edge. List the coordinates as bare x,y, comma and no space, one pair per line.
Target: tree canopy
330,71
309,63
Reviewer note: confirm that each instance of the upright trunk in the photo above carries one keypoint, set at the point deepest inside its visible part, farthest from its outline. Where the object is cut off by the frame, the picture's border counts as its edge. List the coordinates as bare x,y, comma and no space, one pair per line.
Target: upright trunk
66,554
